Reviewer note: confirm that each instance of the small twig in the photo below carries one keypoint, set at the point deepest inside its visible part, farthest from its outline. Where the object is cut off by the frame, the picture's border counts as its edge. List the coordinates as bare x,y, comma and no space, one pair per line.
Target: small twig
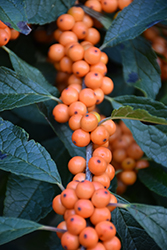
53,229
89,151
117,205
60,186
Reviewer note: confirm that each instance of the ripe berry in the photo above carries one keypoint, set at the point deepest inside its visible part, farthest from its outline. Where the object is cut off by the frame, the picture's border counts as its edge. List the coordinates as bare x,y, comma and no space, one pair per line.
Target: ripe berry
4,37
80,138
67,37
68,213
123,3
99,95
128,164
61,113
65,22
80,177
62,225
75,52
100,135
69,95
57,205
88,21
105,230
93,80
109,6
93,36
84,208
103,179
104,57
69,241
128,177
77,164
110,126
110,171
74,79
94,5
100,214
88,122
101,198
2,25
68,198
80,29
72,184
113,244
87,97
97,165
77,13
80,68
66,64
75,224
74,121
140,164
85,189
88,237
77,108
103,152
107,85
134,151
113,199
92,55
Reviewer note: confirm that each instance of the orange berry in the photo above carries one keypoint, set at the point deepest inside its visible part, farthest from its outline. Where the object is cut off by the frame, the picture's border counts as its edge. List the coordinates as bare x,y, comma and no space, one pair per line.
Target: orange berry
68,213
100,214
14,34
100,135
99,95
104,57
134,151
80,68
88,237
92,55
62,225
66,64
68,198
80,29
70,241
88,21
107,85
119,154
109,6
56,52
76,86
84,208
121,187
80,177
97,185
72,184
101,198
103,152
123,3
97,165
67,37
69,95
105,230
76,164
77,13
110,171
99,67
74,121
75,52
96,114
85,189
128,164
113,244
2,25
56,34
4,37
80,138
77,108
87,97
113,199
110,126
57,205
128,177
61,113
75,224
93,36
93,80
88,122
65,22
140,164
74,79
103,179
69,45
94,5
98,246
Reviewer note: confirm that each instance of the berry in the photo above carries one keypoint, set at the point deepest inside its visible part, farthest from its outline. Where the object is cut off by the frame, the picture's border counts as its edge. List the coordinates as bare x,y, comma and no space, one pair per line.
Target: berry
101,198
128,177
68,198
88,122
77,13
87,97
103,152
69,241
57,205
92,55
74,121
77,164
85,189
97,165
69,95
88,237
75,224
93,80
77,108
100,214
61,113
84,208
80,29
80,138
100,135
105,230
62,225
65,22
80,68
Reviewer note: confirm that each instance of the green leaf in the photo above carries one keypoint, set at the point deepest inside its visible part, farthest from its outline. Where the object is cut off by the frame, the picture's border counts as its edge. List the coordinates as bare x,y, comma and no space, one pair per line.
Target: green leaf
41,12
155,179
27,198
62,130
13,228
17,90
30,72
140,67
13,13
127,112
25,157
132,235
153,220
134,19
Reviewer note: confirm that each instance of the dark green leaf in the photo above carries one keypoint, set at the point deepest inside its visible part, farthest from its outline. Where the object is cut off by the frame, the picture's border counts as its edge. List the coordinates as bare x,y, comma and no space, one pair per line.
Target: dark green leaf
140,67
133,236
155,179
134,19
27,198
62,130
13,13
17,90
41,12
23,157
153,220
13,228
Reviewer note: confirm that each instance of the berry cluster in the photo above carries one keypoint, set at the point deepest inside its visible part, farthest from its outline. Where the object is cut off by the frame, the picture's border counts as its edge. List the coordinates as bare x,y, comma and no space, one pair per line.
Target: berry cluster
158,41
7,34
126,156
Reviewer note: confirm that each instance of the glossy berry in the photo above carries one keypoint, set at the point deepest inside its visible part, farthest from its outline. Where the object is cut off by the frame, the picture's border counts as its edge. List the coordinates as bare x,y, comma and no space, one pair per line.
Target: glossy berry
103,179
107,85
2,25
100,214
123,3
97,185
134,151
105,230
68,213
128,177
104,57
75,52
113,244
65,22
110,126
92,55
84,208
140,164
77,13
14,34
88,21
97,165
75,224
119,155
74,79
80,68
62,225
56,34
80,29
128,164
74,121
69,95
101,198
93,80
88,122
66,64
94,5
68,198
103,152
72,184
110,171
57,205
121,187
113,199
69,241
76,164
87,97
61,113
80,177
80,138
4,37
77,108
67,37
99,95
109,6
88,237
93,36
85,189
100,135
98,246
99,67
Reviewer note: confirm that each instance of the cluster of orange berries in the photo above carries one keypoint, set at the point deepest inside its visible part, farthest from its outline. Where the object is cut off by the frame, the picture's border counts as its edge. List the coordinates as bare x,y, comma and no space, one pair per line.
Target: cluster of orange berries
108,6
157,37
7,34
126,156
